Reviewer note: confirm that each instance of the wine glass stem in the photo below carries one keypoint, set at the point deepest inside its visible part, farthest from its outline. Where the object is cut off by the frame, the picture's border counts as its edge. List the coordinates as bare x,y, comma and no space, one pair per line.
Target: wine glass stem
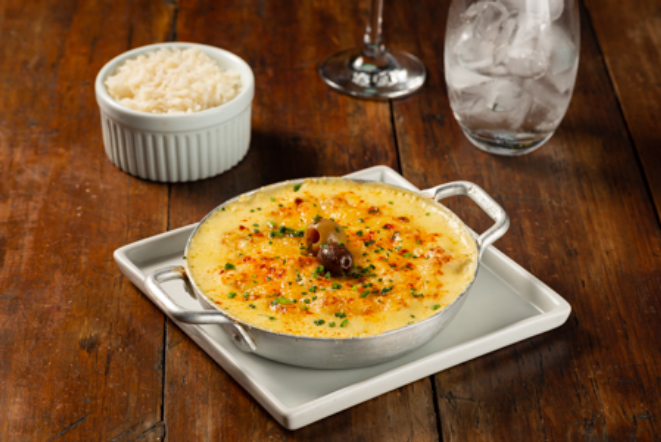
373,41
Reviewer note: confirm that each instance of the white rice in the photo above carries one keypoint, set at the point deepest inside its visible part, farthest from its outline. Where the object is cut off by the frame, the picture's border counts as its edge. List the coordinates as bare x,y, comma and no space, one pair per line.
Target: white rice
173,81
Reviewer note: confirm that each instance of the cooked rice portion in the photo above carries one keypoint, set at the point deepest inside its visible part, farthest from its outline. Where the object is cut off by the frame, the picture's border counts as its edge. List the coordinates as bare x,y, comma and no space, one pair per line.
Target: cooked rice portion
173,81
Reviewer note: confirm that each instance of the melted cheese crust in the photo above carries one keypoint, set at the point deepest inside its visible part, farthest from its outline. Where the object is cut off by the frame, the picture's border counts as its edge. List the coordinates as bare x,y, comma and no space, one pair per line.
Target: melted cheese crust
412,258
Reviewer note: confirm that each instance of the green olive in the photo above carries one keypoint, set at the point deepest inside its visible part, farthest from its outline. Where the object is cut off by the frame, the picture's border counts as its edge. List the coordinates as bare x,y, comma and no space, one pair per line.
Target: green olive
322,232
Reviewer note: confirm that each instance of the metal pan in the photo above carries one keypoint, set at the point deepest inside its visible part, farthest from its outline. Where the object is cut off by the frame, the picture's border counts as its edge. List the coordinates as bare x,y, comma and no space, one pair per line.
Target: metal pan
332,353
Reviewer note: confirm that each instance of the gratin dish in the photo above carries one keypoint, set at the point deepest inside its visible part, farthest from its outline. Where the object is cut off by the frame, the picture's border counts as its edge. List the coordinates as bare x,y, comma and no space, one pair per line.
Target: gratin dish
177,147
331,353
507,305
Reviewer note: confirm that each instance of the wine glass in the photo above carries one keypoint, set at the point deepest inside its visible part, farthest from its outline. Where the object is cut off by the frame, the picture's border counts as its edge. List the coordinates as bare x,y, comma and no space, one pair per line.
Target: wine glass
372,71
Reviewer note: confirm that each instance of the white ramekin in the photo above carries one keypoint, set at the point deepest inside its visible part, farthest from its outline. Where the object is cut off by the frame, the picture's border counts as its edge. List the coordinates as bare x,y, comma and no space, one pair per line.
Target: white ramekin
180,147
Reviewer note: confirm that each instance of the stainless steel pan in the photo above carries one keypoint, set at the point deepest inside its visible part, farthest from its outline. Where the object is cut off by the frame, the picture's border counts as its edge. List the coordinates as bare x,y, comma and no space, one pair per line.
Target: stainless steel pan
331,353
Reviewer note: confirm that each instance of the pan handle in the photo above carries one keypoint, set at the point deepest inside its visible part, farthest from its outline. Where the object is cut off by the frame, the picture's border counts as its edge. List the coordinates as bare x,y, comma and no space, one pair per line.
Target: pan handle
482,199
153,284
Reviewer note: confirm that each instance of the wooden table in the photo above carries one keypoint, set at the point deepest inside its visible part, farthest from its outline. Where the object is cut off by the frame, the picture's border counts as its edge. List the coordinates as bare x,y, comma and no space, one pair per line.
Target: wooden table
86,356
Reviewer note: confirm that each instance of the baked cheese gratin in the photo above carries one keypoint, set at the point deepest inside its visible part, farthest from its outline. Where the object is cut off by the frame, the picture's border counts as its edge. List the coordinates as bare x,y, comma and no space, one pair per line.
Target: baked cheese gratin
331,258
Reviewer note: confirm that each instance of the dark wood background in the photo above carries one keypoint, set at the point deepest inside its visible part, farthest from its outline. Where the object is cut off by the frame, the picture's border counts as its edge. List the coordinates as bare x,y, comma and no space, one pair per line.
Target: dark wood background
84,356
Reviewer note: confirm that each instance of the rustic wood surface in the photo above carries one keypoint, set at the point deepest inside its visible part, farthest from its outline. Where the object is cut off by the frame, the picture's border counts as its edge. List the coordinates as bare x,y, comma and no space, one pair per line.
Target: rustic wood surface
85,356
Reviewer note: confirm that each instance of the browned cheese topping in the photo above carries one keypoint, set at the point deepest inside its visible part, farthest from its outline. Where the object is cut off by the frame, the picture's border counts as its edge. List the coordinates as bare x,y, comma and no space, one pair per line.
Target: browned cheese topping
410,258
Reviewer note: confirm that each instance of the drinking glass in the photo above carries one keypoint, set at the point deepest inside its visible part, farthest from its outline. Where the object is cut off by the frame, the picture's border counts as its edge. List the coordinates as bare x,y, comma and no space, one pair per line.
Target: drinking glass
372,71
510,68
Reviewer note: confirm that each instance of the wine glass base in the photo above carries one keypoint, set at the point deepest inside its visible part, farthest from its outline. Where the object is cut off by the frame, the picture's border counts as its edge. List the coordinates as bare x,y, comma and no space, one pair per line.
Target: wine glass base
393,74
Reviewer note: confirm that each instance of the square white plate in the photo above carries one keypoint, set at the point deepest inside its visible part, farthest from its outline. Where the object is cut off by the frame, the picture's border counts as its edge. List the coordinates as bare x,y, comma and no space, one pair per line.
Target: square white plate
506,305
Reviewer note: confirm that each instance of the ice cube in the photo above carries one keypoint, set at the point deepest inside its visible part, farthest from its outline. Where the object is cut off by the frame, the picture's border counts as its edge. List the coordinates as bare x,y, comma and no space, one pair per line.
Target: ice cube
563,61
530,47
514,6
563,51
539,10
458,77
543,118
484,18
549,104
502,42
478,34
506,95
545,92
564,81
555,7
501,104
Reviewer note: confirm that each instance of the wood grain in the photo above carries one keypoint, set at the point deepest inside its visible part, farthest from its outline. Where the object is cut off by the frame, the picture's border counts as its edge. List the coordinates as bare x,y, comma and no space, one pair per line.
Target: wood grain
630,41
80,347
581,221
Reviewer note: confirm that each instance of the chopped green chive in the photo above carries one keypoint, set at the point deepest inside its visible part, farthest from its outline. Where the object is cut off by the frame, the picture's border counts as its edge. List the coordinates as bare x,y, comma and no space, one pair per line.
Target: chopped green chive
282,301
340,315
436,306
319,322
231,295
344,323
297,187
230,266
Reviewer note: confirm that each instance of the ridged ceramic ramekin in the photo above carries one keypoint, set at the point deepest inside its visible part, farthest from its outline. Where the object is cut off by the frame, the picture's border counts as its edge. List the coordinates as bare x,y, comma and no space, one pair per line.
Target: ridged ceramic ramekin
178,147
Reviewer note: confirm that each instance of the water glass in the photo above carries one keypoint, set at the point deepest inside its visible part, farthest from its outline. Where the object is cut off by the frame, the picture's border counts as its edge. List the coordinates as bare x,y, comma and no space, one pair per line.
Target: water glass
510,69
